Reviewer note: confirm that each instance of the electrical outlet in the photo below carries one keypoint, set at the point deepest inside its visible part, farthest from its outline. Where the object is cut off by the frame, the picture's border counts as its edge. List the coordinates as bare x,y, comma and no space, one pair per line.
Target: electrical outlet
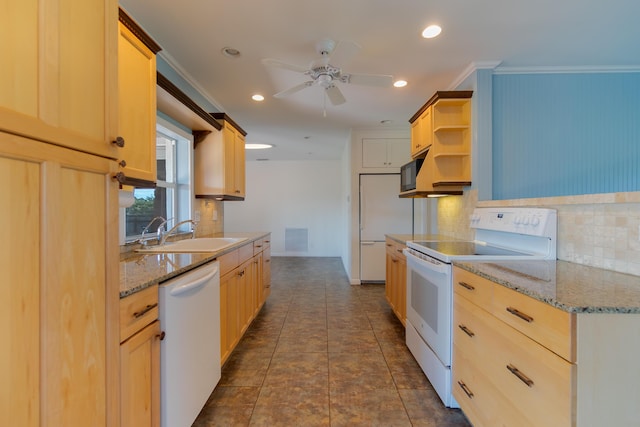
196,216
214,216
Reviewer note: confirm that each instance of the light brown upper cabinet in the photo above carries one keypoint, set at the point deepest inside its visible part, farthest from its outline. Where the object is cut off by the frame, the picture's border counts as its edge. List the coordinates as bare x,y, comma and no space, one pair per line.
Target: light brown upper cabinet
137,104
441,135
59,73
220,162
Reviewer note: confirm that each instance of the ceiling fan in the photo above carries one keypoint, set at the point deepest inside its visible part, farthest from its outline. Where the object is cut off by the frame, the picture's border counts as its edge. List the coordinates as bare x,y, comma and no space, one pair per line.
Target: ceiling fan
325,73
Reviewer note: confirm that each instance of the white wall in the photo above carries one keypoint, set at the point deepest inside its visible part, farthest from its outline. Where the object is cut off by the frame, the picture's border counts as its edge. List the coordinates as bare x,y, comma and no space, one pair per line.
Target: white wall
300,194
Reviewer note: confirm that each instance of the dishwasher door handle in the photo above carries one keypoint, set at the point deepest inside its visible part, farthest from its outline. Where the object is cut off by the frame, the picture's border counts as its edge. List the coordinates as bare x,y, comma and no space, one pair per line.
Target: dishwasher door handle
197,283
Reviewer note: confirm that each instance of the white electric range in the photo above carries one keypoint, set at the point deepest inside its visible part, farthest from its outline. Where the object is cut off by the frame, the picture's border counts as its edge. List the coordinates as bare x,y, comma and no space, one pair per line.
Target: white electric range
500,233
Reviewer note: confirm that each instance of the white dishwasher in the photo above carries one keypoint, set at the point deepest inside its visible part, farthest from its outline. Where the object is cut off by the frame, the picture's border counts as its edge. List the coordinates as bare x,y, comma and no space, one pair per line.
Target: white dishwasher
190,352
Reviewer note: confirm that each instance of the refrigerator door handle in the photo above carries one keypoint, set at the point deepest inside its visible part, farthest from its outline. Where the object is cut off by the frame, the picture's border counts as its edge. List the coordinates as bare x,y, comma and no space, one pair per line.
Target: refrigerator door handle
368,243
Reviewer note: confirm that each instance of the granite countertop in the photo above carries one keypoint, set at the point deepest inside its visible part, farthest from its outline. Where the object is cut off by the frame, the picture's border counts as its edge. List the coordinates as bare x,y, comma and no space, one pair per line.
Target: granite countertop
141,270
574,288
403,238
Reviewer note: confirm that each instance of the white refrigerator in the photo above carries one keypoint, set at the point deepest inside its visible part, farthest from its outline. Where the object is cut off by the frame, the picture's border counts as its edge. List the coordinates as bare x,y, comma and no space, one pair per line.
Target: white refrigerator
381,212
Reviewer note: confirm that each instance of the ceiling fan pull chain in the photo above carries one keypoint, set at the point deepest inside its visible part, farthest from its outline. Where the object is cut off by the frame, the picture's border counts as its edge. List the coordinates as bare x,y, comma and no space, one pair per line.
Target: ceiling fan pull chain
324,103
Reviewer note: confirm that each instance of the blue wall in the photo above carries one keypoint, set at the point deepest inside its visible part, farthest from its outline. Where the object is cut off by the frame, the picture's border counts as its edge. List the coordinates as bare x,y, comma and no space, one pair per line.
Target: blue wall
565,134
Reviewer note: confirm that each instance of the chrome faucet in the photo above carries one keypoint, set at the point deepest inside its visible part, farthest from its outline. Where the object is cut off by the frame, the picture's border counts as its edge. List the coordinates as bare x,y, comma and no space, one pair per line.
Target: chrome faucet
175,227
144,230
161,230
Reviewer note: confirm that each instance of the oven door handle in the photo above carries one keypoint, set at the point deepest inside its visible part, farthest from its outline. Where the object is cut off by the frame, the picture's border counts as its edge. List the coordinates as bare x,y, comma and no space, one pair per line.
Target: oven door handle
426,262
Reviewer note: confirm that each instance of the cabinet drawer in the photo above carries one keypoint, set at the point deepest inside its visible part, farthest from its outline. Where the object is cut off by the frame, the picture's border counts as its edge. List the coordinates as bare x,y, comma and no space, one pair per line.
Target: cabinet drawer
245,253
266,242
473,287
258,246
228,262
482,403
549,326
535,382
137,311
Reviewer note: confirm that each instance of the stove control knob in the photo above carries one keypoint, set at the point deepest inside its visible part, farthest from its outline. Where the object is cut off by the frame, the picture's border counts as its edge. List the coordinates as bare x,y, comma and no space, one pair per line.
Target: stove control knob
535,221
525,221
517,220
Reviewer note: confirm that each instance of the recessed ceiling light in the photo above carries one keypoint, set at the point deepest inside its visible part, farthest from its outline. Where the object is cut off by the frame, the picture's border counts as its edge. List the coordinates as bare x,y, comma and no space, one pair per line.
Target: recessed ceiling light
257,146
230,52
400,83
257,97
431,31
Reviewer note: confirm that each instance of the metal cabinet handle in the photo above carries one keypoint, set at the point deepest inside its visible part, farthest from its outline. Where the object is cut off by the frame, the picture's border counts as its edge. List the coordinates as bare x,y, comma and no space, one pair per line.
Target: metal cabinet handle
464,388
467,286
522,377
120,177
520,314
122,163
145,310
119,141
466,330
161,335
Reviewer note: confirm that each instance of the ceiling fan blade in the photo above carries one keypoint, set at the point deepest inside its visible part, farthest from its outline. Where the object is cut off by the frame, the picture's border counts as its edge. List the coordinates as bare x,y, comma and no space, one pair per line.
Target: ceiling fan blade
334,95
343,53
380,80
280,64
294,89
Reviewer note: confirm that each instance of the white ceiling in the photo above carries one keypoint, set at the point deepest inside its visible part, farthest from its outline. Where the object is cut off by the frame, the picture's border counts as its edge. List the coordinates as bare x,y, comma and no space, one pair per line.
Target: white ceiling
590,34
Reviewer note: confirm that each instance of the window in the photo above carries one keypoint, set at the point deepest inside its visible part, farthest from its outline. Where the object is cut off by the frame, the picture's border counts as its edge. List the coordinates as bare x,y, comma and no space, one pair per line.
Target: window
171,199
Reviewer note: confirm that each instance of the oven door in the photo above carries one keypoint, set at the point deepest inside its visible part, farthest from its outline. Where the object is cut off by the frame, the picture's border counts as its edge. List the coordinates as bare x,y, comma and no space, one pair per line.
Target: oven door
429,302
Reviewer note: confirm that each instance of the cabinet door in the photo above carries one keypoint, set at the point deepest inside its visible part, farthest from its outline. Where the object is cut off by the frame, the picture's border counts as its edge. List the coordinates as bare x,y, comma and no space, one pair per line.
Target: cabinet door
137,106
239,165
266,273
140,378
59,72
60,245
257,286
398,152
374,153
229,313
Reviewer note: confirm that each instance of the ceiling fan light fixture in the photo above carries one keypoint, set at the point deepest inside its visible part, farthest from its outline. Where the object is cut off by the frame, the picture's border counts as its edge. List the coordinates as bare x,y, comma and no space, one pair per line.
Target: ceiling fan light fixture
230,52
253,146
431,31
400,83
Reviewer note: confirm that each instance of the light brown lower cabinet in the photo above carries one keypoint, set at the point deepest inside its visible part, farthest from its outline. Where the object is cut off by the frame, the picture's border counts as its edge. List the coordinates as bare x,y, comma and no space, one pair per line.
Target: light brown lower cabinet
396,279
140,337
518,361
59,286
140,378
241,292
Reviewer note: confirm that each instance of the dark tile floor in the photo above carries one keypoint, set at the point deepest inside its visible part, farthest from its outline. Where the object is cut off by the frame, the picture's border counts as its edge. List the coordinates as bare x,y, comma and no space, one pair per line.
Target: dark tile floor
324,353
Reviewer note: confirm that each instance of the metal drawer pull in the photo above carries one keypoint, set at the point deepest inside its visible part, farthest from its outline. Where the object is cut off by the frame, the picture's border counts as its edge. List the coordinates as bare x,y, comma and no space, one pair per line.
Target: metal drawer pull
467,286
464,388
520,314
145,310
466,330
522,377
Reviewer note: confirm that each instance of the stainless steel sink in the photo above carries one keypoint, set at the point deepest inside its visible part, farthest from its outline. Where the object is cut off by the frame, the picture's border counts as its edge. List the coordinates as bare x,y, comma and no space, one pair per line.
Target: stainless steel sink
203,244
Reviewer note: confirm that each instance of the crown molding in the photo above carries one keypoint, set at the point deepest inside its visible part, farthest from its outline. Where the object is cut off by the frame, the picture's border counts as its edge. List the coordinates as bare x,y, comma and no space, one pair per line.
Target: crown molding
472,68
190,80
568,69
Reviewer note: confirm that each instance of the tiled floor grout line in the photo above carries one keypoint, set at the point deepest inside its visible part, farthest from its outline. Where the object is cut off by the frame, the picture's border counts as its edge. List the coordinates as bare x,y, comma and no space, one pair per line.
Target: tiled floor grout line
359,398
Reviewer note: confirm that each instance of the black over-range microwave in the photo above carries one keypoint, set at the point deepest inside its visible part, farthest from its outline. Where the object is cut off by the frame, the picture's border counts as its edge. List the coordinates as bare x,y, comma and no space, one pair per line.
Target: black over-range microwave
408,174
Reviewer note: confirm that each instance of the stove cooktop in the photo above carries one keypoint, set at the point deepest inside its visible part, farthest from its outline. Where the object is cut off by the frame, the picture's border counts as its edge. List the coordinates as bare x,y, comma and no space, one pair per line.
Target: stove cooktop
466,250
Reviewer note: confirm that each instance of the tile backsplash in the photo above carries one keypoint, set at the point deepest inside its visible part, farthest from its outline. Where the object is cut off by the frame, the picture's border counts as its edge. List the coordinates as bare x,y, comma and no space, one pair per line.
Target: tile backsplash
597,230
211,217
